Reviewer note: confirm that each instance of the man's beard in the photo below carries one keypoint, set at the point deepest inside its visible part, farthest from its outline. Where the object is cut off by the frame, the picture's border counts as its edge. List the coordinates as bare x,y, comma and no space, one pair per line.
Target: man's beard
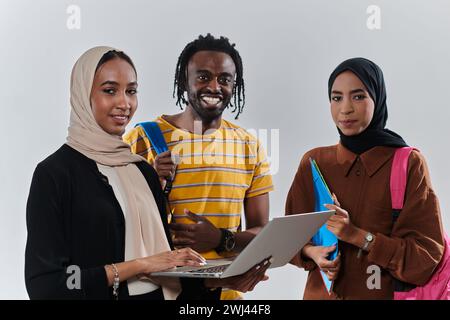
205,114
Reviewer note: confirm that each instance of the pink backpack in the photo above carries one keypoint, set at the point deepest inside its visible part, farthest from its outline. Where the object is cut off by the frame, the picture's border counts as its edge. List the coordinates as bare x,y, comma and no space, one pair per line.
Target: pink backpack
438,286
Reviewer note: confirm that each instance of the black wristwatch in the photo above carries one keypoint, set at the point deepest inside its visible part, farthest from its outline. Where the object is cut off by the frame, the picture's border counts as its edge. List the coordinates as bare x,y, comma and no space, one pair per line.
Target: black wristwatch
227,241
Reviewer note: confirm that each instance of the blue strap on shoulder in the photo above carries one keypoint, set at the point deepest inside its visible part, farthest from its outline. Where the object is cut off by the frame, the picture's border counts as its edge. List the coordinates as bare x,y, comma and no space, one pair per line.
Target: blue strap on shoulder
155,136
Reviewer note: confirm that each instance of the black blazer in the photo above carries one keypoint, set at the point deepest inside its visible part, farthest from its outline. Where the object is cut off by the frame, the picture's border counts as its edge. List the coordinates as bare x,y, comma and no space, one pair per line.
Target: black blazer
74,219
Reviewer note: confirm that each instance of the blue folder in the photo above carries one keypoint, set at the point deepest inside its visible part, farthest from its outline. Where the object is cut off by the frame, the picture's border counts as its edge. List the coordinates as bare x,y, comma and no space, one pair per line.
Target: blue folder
155,136
323,237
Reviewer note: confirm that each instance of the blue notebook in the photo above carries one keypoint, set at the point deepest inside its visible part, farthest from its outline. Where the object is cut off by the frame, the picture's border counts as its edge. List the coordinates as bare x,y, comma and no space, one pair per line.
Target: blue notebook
323,237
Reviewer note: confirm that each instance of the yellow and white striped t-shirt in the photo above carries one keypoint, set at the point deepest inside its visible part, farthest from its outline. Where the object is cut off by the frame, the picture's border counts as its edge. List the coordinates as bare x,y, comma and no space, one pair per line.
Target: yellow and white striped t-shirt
216,173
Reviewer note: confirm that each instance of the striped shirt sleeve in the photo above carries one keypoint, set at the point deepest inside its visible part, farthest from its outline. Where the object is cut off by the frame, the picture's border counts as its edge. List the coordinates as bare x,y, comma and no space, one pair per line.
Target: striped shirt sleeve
262,179
139,143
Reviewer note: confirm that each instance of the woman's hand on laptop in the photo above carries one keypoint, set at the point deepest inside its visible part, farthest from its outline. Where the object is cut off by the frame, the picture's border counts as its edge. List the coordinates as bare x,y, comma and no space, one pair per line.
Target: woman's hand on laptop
244,282
169,259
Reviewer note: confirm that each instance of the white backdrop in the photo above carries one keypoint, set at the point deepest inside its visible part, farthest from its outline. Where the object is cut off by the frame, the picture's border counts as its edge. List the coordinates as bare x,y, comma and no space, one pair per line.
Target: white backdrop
289,48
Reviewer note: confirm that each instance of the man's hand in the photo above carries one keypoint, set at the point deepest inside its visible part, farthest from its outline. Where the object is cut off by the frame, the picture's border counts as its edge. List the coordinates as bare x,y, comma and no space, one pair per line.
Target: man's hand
201,236
165,165
244,282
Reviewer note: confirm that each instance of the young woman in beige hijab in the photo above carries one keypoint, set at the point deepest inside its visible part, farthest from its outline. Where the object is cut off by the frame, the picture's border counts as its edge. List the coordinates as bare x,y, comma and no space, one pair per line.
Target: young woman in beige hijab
96,215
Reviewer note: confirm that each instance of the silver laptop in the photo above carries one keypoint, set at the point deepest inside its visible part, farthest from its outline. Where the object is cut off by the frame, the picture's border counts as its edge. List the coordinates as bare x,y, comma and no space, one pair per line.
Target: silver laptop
280,239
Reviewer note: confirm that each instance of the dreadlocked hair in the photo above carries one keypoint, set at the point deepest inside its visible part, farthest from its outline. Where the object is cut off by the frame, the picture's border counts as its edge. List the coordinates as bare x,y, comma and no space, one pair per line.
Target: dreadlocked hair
209,43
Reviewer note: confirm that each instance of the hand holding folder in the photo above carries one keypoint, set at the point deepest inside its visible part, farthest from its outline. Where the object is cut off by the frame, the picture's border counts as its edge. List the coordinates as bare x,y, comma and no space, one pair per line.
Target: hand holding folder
323,237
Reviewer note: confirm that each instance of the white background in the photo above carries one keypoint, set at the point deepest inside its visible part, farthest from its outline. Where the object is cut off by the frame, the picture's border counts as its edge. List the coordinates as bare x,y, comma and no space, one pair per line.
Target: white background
289,48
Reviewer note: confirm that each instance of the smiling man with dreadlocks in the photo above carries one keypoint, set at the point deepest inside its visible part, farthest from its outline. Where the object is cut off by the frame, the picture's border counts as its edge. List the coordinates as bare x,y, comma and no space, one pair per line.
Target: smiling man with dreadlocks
221,167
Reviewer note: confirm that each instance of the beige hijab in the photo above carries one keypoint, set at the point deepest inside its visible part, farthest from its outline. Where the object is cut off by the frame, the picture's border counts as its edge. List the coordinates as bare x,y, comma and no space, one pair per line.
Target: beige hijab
145,235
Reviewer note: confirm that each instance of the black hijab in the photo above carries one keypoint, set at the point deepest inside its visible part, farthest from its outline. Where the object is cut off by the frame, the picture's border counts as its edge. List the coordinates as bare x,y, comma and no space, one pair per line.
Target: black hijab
375,134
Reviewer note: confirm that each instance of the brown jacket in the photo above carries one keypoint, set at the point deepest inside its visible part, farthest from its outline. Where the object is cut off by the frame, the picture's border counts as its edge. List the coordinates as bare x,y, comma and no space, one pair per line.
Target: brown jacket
408,250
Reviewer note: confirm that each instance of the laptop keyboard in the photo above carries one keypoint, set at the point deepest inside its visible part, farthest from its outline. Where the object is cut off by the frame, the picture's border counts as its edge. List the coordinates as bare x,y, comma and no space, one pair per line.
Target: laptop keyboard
215,269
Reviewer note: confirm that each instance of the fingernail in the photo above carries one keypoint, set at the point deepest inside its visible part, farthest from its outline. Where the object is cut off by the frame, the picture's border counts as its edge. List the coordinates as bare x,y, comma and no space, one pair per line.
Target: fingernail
265,262
257,267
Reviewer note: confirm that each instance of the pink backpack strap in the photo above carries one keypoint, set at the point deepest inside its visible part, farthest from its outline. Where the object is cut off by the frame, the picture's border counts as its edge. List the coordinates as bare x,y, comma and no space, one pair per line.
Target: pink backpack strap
438,287
399,177
399,173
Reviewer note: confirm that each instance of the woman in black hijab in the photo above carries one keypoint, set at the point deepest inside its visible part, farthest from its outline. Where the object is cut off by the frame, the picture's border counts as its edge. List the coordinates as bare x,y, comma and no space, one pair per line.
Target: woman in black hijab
374,251
375,134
